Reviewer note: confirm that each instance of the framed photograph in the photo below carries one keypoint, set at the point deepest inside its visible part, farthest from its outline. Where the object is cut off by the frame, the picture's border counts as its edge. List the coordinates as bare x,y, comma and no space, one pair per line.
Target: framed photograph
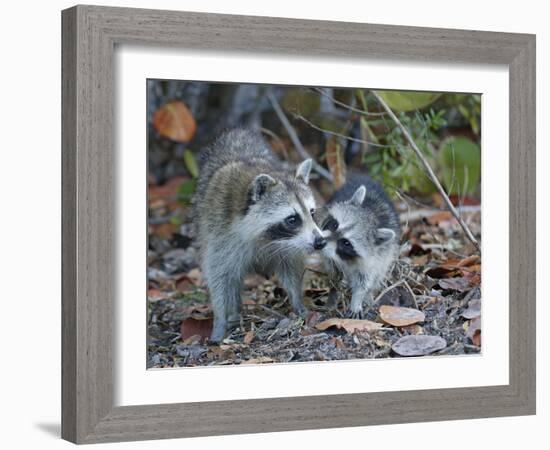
276,224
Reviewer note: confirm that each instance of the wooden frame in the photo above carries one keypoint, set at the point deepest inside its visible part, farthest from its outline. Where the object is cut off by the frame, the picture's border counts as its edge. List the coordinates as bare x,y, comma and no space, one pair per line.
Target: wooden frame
89,37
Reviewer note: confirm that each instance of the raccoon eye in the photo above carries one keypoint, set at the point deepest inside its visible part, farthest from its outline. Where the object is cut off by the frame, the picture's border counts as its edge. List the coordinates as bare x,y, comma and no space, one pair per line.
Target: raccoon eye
331,224
293,221
312,212
345,242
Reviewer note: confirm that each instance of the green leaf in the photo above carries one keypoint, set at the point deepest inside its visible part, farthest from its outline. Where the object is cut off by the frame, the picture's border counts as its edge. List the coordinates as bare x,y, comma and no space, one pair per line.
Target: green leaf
404,101
186,190
301,101
176,220
191,163
460,160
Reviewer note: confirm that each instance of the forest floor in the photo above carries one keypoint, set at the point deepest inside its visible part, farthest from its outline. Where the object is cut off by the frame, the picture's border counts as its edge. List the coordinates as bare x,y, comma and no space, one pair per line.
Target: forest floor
431,303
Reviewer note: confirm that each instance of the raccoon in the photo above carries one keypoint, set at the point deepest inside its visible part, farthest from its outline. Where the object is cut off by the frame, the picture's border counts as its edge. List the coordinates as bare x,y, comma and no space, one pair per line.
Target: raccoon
362,229
254,215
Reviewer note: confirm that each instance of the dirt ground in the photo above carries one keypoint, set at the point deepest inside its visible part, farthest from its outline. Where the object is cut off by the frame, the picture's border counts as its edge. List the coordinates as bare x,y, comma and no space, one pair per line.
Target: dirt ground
431,303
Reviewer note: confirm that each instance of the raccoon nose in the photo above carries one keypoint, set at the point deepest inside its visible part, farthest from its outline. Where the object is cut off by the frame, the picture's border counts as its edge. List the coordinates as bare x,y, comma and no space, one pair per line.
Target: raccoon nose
319,243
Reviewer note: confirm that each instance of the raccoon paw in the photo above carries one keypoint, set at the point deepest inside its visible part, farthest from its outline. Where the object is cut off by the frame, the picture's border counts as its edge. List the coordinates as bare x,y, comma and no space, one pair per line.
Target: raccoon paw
217,335
301,311
351,314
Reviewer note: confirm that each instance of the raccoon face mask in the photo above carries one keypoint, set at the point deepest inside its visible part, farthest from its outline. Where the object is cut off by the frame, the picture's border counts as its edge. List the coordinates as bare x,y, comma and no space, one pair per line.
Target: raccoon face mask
281,211
352,233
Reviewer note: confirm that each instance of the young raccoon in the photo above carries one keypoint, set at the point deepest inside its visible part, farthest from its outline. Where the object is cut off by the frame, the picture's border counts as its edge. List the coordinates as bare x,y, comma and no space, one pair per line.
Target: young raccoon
253,215
362,229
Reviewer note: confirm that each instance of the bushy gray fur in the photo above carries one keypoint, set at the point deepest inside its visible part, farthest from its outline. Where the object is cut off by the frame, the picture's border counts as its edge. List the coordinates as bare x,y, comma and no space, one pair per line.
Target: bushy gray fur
244,197
366,218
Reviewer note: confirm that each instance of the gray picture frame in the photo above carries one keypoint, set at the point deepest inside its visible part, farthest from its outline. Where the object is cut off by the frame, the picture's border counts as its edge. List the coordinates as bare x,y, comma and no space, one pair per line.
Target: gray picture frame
90,34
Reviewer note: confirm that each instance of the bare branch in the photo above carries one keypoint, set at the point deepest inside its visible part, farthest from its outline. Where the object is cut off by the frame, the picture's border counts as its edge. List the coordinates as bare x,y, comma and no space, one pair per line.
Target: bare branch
351,108
429,169
334,133
278,139
412,216
294,137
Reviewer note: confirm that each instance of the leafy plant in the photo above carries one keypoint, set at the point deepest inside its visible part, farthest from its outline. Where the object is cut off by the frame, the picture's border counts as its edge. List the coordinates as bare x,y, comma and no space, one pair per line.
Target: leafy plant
460,162
469,107
404,101
394,164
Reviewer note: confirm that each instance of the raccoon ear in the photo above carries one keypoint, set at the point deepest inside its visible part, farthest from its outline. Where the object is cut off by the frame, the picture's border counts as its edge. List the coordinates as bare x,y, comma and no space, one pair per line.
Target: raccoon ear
384,235
303,170
359,195
259,186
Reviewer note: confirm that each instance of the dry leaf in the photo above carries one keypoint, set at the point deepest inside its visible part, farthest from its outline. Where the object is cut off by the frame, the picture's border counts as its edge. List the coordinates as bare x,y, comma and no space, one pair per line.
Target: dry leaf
175,121
166,190
248,337
191,326
198,312
195,276
455,284
396,296
474,331
443,272
260,360
164,230
399,316
469,261
438,217
473,310
312,318
418,345
350,325
154,295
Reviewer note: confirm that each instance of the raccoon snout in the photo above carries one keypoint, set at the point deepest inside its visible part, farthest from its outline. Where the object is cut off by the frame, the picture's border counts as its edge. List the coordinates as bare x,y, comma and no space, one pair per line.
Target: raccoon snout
319,243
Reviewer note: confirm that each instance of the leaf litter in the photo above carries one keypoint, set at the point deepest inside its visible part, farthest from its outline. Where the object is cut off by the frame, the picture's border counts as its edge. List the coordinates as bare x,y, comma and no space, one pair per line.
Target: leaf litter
431,303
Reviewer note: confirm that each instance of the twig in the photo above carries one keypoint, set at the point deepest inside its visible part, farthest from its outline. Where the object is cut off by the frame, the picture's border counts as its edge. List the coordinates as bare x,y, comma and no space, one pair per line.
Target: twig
272,311
421,213
278,139
411,292
429,169
294,137
386,290
351,108
334,133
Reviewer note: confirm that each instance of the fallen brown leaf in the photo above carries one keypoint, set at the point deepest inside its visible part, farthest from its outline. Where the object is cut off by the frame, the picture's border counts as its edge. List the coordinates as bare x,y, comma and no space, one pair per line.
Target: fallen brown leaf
195,276
418,345
455,284
312,318
474,331
399,316
174,121
167,190
469,261
473,310
198,312
396,296
164,230
154,295
443,272
438,217
350,325
191,326
260,360
248,337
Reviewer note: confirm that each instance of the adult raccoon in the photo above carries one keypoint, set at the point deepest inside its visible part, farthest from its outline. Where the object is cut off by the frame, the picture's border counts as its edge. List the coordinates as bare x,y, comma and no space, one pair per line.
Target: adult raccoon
253,215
